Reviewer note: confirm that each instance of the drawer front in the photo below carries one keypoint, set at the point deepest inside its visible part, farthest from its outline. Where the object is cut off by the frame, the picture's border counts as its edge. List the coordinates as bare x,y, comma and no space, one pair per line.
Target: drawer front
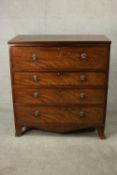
59,96
63,58
57,79
61,115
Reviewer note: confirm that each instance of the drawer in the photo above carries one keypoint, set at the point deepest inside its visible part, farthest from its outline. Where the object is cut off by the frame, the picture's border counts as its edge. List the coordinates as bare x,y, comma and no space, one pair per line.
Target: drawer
59,79
59,96
62,58
58,115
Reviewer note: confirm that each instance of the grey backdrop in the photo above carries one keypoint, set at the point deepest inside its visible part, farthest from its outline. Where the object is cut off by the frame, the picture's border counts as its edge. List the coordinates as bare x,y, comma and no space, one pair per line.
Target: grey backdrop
56,17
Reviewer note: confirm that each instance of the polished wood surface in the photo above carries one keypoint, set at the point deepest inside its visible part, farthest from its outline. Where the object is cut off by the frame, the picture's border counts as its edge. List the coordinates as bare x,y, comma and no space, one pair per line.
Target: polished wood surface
59,96
63,117
60,83
37,39
59,79
57,58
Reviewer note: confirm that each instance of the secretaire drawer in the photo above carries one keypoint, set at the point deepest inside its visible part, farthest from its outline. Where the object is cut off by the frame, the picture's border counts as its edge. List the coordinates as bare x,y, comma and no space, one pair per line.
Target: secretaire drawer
59,58
61,115
59,96
57,79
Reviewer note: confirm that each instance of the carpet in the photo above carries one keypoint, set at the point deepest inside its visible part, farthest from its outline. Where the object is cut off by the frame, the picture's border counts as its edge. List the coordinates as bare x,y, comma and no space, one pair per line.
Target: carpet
44,153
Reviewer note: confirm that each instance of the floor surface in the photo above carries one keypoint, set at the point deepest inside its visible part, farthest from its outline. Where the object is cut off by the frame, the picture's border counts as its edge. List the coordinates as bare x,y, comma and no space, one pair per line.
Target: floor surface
43,153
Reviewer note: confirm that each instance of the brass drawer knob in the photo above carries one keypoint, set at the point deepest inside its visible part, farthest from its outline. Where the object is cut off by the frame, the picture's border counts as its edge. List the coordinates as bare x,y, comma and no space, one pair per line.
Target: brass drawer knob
83,56
35,94
35,78
59,49
82,114
82,78
34,57
59,73
82,95
37,114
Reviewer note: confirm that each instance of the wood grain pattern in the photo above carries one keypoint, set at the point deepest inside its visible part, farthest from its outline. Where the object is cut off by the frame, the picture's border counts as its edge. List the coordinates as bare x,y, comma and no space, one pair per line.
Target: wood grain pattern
47,92
59,96
59,58
59,79
64,118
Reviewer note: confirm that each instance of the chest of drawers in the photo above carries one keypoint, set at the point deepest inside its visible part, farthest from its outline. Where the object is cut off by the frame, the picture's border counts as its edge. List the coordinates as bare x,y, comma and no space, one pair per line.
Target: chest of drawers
59,83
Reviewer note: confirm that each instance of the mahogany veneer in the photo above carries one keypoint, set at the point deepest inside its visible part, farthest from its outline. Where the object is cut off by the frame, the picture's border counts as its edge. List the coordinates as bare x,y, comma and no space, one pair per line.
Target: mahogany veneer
60,83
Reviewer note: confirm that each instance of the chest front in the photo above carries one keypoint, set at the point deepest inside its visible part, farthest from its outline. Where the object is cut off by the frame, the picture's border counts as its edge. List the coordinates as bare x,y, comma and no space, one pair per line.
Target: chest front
59,86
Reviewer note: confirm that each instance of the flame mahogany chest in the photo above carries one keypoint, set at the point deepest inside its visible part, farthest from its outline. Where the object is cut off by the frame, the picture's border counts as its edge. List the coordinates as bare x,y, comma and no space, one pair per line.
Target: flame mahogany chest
59,82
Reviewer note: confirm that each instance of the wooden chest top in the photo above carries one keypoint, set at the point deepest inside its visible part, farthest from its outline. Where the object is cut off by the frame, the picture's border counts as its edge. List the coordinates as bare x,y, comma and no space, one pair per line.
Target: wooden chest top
55,39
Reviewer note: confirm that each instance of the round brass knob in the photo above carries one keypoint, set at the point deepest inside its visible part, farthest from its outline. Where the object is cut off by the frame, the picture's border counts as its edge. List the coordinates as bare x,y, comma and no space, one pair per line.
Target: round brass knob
83,56
82,95
37,114
34,57
35,94
82,114
35,78
82,78
59,73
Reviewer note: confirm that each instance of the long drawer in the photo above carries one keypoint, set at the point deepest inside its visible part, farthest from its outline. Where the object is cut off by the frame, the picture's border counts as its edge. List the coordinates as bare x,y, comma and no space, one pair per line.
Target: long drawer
59,96
61,115
59,58
57,79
